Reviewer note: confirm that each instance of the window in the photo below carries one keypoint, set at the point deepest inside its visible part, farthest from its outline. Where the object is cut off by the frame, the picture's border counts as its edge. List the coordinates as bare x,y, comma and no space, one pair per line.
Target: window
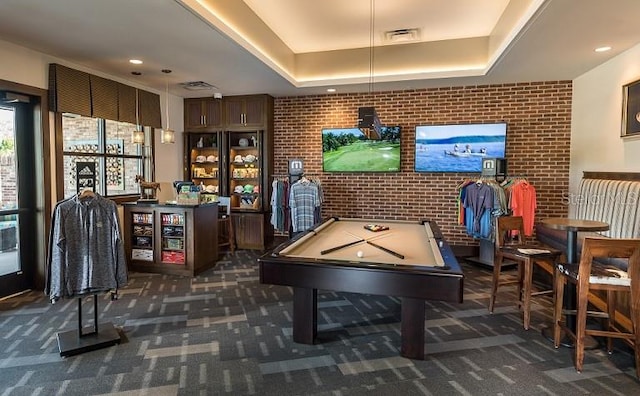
107,145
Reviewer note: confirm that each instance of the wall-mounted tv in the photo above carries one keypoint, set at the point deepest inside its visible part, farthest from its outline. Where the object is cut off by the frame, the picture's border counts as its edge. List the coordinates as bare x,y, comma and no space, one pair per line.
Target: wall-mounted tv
458,148
349,150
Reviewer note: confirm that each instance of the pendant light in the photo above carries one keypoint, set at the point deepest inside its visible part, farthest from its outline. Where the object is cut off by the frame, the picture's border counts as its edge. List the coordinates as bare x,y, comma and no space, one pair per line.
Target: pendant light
168,134
137,137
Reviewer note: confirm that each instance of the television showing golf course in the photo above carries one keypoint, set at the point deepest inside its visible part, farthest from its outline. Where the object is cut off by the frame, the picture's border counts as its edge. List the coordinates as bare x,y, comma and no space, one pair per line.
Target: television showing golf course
349,150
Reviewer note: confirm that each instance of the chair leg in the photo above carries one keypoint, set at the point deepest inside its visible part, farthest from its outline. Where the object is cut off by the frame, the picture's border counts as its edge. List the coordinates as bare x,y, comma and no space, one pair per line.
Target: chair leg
526,283
232,236
635,315
581,326
558,292
611,317
497,263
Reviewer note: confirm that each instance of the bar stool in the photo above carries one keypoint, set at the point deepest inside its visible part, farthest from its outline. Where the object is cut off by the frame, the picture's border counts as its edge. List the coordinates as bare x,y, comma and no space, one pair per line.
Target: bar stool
510,243
226,235
591,275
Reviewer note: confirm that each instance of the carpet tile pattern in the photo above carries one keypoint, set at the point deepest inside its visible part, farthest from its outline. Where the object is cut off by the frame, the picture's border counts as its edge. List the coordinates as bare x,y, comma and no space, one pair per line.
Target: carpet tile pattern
224,333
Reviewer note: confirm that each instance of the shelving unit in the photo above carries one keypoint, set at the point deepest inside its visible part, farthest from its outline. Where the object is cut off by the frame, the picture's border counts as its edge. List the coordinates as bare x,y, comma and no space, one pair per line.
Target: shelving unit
183,238
245,170
142,236
241,143
172,250
203,160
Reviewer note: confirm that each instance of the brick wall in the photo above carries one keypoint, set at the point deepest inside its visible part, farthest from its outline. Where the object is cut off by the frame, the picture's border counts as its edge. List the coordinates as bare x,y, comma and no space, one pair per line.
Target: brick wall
538,138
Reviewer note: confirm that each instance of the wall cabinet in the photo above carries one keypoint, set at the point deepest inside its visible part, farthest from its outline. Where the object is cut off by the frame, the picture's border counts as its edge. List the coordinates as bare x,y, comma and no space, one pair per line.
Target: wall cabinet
203,113
249,111
171,239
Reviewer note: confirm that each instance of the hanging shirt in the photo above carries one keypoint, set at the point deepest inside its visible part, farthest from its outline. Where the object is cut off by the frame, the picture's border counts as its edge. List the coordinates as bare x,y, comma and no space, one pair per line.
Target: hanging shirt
523,203
479,197
304,198
86,253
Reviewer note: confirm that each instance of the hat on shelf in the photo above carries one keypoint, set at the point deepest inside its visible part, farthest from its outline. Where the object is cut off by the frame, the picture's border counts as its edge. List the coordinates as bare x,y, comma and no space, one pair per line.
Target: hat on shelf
212,158
238,189
237,158
256,189
250,158
248,189
201,158
243,142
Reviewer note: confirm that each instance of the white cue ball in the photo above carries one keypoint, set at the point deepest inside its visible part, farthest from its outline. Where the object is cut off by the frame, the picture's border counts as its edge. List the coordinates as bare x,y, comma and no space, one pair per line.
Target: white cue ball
360,253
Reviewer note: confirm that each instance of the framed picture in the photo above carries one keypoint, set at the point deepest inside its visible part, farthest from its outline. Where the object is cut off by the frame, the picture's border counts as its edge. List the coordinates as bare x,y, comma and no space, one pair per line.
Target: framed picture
631,109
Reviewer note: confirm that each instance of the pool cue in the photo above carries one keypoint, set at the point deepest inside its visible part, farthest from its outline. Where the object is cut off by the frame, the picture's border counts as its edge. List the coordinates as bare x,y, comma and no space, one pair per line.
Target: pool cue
398,255
333,249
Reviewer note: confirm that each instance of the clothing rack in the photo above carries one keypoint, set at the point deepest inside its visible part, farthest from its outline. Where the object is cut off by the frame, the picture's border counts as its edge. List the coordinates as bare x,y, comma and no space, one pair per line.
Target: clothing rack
74,342
487,246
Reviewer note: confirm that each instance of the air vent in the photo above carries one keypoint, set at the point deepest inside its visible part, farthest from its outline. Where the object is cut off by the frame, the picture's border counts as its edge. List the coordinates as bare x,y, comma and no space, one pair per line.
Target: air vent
402,36
197,86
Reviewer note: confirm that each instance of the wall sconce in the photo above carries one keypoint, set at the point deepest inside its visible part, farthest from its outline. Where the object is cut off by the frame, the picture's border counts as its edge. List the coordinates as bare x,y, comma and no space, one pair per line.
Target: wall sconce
168,134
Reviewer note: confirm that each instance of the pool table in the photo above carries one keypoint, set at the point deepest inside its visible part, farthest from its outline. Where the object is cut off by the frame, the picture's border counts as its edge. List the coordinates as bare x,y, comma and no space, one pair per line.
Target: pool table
410,260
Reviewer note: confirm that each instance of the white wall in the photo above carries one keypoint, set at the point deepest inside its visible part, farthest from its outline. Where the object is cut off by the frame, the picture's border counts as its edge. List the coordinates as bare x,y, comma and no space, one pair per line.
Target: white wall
24,66
596,120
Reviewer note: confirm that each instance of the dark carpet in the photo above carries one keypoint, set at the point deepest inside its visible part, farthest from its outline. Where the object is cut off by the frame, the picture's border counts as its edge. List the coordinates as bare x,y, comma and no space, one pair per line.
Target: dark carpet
225,333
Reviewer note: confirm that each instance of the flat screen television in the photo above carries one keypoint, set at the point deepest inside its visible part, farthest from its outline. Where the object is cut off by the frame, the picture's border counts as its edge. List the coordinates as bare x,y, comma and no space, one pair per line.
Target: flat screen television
349,150
459,147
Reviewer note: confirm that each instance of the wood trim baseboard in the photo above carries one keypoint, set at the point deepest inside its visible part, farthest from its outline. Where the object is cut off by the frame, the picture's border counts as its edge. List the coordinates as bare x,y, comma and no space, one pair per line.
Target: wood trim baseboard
633,176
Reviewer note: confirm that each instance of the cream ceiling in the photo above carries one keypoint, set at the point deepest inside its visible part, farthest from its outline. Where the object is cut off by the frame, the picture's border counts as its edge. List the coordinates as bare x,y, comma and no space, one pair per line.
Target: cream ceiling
300,47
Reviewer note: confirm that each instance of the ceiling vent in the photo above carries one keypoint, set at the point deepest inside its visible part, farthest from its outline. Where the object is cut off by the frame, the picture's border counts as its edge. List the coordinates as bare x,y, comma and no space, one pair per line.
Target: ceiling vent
197,86
402,36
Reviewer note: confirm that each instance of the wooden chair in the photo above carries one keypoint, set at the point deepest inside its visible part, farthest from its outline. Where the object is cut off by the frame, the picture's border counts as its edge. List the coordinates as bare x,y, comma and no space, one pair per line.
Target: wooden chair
509,239
591,275
226,235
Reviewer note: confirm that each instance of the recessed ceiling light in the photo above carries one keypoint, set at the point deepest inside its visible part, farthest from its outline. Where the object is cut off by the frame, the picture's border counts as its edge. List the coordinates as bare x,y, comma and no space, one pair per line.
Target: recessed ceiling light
603,49
135,61
331,90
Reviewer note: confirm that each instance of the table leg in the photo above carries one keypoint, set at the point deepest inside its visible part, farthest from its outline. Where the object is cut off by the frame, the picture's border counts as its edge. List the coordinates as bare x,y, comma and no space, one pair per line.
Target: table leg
412,328
305,315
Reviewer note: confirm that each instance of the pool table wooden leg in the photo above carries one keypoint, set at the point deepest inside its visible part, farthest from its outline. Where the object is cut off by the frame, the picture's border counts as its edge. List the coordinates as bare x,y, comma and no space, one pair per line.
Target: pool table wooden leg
305,315
412,328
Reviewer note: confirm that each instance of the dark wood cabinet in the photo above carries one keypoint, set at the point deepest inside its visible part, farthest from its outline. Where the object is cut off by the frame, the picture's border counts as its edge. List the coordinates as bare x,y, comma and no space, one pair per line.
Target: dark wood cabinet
239,164
171,239
203,113
251,111
253,230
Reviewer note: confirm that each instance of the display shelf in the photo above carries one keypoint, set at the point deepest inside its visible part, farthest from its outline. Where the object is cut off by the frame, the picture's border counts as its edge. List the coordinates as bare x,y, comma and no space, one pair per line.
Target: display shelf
202,160
172,250
181,243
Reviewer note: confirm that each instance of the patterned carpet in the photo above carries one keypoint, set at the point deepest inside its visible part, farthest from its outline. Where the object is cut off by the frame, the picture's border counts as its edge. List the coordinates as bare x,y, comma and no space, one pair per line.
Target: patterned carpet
225,333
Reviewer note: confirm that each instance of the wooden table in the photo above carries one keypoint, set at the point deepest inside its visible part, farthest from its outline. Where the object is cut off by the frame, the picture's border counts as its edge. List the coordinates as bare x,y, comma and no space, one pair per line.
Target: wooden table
428,270
572,226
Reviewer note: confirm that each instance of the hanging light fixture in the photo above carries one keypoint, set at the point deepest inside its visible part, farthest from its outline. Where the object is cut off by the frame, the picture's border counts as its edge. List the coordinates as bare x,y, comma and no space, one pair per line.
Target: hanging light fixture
137,136
368,121
168,134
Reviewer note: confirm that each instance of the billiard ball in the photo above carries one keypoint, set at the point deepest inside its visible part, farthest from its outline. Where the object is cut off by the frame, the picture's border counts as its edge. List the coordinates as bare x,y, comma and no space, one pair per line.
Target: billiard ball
360,253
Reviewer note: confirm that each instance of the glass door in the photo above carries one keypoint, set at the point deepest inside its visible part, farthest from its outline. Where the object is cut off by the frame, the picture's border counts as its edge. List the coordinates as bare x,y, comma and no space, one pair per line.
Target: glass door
17,195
